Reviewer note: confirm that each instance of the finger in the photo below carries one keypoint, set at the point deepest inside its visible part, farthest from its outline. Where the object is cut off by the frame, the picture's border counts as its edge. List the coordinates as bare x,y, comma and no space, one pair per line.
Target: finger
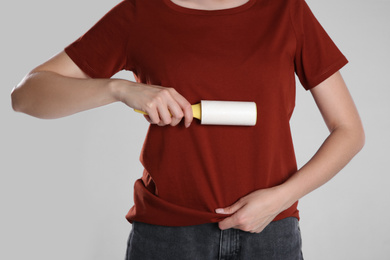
164,114
231,209
233,220
229,222
175,121
188,114
153,115
176,114
185,106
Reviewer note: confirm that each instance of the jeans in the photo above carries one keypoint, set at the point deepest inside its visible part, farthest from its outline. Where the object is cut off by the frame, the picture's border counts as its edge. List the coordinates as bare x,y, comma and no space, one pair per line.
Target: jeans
279,240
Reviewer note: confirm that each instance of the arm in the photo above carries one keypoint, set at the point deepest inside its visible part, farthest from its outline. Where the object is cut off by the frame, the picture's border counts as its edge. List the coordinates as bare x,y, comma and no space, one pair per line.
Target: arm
59,88
255,211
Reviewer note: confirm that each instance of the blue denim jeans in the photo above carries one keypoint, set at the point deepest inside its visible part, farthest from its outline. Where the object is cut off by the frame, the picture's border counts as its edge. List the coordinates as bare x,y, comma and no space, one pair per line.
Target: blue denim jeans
279,240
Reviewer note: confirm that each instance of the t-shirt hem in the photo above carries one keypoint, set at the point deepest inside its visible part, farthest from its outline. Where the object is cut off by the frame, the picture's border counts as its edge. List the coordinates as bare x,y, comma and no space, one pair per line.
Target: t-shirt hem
151,209
134,218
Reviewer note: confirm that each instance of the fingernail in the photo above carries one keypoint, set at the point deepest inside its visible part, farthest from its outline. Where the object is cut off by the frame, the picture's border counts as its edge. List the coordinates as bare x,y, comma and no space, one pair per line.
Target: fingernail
219,211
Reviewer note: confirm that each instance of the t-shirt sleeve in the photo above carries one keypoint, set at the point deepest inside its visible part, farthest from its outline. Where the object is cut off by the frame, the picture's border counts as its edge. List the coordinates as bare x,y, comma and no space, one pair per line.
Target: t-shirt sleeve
316,56
101,51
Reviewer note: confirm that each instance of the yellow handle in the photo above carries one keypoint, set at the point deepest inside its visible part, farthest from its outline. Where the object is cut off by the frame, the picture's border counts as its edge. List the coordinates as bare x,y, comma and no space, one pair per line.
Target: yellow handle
196,111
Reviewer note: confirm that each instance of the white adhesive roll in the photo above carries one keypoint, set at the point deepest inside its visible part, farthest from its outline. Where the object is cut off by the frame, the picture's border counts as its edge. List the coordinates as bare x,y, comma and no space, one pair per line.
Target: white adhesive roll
228,113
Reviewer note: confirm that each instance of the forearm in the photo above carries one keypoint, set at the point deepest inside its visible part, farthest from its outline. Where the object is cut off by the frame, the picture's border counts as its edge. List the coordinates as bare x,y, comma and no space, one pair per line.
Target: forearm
256,210
50,95
337,150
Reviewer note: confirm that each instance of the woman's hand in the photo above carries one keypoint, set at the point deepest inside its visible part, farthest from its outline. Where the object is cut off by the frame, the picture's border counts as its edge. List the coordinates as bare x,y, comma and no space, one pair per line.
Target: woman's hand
164,106
59,88
255,211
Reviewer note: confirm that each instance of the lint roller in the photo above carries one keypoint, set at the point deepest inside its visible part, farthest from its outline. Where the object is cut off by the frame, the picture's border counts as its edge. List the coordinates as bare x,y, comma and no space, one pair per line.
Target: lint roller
209,112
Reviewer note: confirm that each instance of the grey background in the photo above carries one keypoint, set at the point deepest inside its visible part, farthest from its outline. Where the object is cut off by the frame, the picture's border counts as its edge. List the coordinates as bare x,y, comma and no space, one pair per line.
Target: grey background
66,184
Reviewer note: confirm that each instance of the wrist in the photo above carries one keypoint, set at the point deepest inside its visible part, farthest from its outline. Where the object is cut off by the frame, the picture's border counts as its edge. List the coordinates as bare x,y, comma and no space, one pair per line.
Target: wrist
117,88
288,196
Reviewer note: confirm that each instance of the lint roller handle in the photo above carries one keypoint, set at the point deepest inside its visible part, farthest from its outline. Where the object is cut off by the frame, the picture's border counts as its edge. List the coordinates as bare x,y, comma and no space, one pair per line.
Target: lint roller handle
195,111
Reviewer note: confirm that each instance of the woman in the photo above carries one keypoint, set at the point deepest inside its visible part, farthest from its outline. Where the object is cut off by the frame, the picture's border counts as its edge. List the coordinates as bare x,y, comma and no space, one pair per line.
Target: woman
209,192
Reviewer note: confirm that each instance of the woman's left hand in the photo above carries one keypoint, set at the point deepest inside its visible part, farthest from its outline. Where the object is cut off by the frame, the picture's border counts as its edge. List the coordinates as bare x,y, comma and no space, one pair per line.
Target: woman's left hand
255,211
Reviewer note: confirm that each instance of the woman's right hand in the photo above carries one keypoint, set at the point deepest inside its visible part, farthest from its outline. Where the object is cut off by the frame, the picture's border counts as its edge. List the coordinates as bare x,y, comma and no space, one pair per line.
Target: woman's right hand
59,88
164,106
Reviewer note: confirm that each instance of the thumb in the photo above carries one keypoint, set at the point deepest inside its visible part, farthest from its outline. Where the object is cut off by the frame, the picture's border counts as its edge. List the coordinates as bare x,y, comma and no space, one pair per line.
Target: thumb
231,209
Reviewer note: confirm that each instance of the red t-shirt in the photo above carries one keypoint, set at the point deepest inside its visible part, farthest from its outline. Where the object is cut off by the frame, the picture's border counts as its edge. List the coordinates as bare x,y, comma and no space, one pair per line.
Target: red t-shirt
246,53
